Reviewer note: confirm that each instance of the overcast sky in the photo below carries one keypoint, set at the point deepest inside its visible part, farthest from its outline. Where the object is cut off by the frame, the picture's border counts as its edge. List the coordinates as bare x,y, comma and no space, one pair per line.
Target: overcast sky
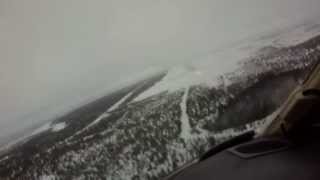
54,53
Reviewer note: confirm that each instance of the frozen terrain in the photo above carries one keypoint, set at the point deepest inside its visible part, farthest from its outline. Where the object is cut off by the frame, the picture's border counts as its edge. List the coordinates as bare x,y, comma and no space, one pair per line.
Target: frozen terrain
149,129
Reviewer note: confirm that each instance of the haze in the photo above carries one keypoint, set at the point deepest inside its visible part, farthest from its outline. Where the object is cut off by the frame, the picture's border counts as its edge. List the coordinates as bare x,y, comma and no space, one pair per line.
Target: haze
56,54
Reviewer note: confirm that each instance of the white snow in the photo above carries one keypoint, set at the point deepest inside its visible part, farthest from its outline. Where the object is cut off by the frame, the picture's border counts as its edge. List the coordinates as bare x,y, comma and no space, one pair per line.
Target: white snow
24,138
177,78
226,134
5,158
47,177
102,116
258,126
41,129
185,124
112,108
49,126
267,121
58,127
105,114
116,105
205,69
296,36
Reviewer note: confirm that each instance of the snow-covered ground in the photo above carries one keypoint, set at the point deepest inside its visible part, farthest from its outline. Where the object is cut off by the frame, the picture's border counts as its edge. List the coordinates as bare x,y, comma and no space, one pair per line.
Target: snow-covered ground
177,78
41,129
145,139
112,108
105,114
206,69
120,102
185,124
49,126
47,177
58,127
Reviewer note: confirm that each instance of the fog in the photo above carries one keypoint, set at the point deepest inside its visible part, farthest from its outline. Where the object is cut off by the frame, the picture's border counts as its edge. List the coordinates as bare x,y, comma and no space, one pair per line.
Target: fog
55,54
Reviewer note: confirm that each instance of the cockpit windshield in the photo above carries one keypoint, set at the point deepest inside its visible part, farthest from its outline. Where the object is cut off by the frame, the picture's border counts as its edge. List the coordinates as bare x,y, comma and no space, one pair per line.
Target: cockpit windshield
138,89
